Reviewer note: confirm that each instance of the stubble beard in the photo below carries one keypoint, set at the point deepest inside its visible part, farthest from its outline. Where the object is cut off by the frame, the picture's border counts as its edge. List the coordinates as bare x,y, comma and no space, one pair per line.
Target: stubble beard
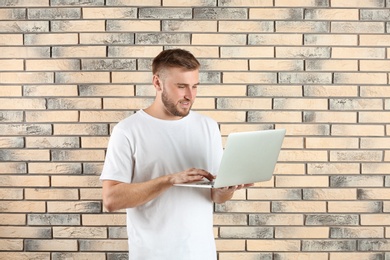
171,107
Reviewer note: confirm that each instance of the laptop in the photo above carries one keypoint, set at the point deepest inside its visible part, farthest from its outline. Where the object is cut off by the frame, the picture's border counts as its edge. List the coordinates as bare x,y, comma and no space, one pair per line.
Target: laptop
249,157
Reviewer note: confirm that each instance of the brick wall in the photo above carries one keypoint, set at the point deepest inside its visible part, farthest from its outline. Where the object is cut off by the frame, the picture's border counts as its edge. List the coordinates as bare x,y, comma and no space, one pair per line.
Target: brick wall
71,69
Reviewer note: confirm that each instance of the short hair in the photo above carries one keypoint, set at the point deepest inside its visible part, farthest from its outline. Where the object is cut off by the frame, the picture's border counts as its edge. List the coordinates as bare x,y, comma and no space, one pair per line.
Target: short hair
174,58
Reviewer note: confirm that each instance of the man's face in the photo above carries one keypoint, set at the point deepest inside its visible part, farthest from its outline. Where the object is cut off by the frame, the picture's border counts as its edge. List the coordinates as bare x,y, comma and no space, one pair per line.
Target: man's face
178,91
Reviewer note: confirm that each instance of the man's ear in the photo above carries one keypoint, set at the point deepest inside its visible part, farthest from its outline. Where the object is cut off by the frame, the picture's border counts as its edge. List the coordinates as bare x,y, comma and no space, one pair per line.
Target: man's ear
157,83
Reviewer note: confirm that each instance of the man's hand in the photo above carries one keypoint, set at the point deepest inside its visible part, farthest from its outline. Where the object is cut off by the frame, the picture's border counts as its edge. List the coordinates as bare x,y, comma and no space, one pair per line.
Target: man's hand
190,175
222,195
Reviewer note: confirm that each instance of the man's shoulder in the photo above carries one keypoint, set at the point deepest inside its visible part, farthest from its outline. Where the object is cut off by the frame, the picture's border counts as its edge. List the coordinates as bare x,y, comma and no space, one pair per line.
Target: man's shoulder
199,116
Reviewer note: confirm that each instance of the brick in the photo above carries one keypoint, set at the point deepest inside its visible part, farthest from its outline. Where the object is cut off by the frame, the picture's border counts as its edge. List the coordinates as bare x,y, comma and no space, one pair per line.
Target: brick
12,168
133,26
357,3
52,116
372,194
329,194
374,40
218,39
78,26
26,77
117,219
358,53
25,255
299,27
79,51
108,64
275,39
131,77
245,26
375,15
329,117
355,256
302,255
274,194
356,181
374,168
50,90
301,232
14,116
276,65
332,143
11,194
51,245
301,181
73,2
189,26
110,13
52,142
275,91
78,255
332,65
26,129
9,65
326,245
186,3
133,51
11,244
276,13
22,103
332,14
74,207
374,65
356,232
79,232
355,206
11,91
249,77
211,90
273,245
126,103
78,155
356,104
357,27
53,219
247,52
117,232
54,13
374,219
24,155
165,13
246,232
74,103
25,232
358,130
274,116
54,168
13,14
305,78
300,103
275,219
243,103
24,26
94,142
331,39
107,38
93,168
52,65
230,245
21,181
374,117
373,245
51,39
220,13
306,3
224,65
243,206
333,168
103,116
332,220
90,194
302,52
103,245
51,194
22,206
12,39
106,90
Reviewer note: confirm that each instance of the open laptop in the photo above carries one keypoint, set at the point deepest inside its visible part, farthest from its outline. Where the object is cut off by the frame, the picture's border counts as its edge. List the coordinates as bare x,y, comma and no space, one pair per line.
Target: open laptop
249,157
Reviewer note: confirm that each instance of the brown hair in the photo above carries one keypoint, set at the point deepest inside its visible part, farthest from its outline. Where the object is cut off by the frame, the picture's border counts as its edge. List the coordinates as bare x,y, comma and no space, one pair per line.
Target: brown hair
174,58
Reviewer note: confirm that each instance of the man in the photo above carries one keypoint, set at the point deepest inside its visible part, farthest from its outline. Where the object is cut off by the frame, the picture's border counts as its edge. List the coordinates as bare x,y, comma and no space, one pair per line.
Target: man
163,145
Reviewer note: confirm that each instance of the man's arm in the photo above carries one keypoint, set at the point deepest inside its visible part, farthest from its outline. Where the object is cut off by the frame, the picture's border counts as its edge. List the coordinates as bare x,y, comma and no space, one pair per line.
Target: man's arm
222,195
119,195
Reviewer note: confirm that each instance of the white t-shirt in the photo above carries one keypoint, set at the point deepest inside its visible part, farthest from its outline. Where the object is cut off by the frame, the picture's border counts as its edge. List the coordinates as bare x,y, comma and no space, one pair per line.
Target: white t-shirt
179,223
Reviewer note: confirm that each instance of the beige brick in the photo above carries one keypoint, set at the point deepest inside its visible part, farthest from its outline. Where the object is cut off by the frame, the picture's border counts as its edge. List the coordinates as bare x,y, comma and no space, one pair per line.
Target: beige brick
243,103
332,14
24,26
374,168
79,51
302,255
358,53
10,91
225,116
24,52
357,27
356,104
358,130
78,26
9,65
104,245
75,181
330,194
74,207
374,219
24,255
22,206
300,103
79,256
110,13
275,90
51,39
354,256
52,142
276,65
330,91
189,26
78,155
332,143
50,90
356,156
276,219
52,116
330,117
126,103
374,40
12,167
104,219
224,65
80,129
11,244
299,206
133,26
12,39
94,142
275,39
82,77
249,77
332,65
91,194
22,103
218,39
374,117
331,39
247,52
217,90
230,245
51,194
54,168
245,26
11,194
299,27
229,128
11,142
275,13
26,77
20,181
79,232
25,155
273,194
357,3
274,116
273,245
230,219
289,168
305,129
360,78
107,38
302,181
243,206
25,232
333,168
51,245
52,65
374,65
106,90
131,77
302,52
354,206
74,103
103,116
301,232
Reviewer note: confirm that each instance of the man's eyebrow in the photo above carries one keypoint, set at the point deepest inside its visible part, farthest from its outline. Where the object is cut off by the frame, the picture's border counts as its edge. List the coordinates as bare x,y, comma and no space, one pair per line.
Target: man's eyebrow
186,84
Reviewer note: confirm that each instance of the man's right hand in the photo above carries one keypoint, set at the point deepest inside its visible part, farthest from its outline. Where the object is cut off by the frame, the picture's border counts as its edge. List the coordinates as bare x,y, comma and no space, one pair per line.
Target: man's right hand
190,175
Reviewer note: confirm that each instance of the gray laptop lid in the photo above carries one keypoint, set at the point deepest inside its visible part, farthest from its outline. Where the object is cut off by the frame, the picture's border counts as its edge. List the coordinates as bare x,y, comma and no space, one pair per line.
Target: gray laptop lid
249,157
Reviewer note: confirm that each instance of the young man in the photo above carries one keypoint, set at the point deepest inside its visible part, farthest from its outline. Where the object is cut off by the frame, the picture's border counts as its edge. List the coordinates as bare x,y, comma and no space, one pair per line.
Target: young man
163,145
